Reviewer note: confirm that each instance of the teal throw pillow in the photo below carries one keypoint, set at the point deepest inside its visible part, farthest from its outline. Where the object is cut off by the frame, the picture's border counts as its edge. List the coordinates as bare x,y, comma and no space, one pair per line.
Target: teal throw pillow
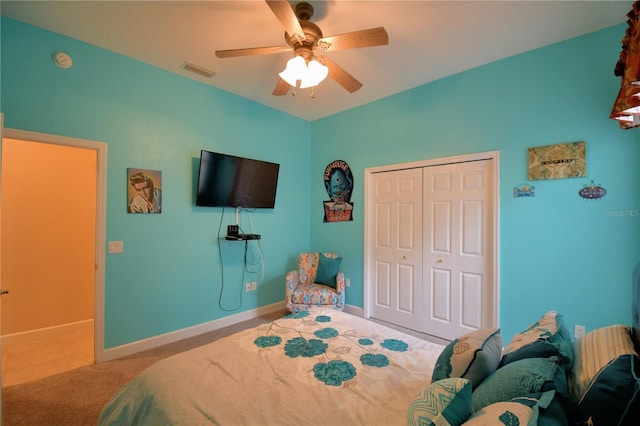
504,413
445,402
519,378
544,338
473,356
613,396
523,410
327,270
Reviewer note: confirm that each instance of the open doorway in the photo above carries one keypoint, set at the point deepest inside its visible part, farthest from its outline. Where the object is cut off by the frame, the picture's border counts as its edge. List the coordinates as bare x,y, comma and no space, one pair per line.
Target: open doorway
52,256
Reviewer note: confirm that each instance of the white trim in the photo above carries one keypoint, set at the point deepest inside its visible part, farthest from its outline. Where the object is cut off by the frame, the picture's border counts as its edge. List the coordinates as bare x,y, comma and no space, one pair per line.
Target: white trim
490,155
1,365
496,236
354,310
101,208
47,332
174,336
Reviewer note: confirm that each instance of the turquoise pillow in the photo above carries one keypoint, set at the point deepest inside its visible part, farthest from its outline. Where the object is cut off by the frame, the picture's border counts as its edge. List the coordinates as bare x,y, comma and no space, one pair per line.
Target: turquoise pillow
613,396
327,270
519,378
521,411
473,356
504,413
544,338
446,401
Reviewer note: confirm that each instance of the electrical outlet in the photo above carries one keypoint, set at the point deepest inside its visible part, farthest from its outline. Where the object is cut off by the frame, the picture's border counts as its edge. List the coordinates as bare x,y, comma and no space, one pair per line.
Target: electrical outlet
254,286
116,247
347,282
578,331
247,287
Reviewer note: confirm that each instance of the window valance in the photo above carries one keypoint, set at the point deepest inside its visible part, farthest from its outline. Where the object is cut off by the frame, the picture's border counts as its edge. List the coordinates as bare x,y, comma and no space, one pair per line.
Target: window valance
626,108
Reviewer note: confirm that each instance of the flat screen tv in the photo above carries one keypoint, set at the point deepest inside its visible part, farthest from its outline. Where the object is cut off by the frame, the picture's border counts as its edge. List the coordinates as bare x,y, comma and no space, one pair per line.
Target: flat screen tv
230,181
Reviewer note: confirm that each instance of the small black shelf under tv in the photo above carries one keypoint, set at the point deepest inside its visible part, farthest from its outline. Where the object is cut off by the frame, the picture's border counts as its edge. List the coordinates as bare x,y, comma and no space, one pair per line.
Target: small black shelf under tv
243,237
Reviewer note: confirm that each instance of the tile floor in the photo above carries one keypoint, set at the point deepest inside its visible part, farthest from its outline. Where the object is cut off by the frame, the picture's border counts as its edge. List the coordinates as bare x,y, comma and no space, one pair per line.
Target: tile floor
26,361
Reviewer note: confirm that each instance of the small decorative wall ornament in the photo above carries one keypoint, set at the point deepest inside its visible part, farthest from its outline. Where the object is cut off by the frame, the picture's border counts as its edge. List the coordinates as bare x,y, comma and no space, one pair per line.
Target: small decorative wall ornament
558,161
338,181
592,191
144,194
524,190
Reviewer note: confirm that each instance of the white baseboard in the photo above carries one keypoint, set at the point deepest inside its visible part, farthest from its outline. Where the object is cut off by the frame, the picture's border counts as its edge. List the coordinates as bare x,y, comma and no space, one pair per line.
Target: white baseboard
46,333
174,336
354,310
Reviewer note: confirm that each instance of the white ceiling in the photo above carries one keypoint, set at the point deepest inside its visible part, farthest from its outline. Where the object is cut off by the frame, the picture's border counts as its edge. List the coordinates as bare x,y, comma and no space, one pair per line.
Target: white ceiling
428,40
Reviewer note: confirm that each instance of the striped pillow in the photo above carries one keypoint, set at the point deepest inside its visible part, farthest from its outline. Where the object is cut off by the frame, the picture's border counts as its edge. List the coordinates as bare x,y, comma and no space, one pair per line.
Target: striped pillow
594,351
445,402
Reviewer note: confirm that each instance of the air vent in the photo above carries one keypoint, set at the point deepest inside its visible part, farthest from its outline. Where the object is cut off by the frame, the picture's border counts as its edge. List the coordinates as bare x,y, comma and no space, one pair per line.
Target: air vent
198,70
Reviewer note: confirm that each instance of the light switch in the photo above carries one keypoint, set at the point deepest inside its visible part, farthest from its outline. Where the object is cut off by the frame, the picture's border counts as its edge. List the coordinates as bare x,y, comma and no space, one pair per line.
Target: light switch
116,247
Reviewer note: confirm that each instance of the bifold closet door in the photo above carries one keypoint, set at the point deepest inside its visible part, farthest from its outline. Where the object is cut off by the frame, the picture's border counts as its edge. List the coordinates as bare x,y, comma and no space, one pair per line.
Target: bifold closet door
457,261
396,248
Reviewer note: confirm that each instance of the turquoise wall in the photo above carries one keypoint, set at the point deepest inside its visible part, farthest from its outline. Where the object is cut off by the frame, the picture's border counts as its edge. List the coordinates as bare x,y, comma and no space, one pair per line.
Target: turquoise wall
169,276
558,251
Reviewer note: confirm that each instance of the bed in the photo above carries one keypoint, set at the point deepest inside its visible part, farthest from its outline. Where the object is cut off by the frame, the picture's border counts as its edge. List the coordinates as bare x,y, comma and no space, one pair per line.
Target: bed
320,366
327,367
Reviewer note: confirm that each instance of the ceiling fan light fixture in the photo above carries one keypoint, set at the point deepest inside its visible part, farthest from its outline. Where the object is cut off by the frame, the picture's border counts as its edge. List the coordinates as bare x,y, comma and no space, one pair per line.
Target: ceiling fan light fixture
316,73
295,69
310,74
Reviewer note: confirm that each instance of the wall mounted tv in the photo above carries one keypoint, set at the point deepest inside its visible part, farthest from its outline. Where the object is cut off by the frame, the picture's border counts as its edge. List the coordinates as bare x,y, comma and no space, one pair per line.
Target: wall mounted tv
230,181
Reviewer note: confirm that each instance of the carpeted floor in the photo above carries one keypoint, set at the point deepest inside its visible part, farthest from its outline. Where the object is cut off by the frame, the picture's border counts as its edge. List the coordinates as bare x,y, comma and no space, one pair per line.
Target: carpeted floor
77,397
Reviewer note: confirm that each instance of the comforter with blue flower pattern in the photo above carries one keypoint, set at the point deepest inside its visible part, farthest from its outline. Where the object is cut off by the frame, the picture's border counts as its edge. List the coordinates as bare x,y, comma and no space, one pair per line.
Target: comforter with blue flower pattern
320,366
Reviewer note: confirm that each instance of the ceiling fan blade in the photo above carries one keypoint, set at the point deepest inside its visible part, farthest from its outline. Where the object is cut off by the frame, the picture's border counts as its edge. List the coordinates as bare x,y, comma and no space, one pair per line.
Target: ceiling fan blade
283,11
341,77
232,53
281,89
364,38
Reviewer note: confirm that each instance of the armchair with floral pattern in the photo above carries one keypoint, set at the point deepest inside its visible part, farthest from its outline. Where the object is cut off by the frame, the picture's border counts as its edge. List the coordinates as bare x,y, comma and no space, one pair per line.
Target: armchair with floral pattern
316,282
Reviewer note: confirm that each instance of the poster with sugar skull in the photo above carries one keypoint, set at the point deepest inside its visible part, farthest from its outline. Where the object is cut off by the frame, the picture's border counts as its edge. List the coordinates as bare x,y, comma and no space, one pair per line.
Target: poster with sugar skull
338,181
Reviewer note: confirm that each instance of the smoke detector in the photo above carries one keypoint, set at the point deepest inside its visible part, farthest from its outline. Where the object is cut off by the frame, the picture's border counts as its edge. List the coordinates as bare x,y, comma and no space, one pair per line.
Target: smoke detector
62,60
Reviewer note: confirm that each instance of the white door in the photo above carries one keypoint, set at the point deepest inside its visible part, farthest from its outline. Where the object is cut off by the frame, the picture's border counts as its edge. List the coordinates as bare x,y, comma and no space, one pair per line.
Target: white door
458,248
396,238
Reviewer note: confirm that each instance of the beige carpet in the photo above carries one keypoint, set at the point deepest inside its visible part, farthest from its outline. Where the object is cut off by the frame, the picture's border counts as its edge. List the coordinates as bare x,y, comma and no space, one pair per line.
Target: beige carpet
77,397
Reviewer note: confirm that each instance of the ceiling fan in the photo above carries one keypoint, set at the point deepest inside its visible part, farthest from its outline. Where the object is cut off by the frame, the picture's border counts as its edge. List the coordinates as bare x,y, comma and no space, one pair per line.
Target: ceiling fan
302,37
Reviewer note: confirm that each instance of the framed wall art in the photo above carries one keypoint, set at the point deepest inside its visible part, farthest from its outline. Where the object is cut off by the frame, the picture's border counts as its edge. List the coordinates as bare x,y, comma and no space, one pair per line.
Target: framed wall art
338,181
561,161
144,191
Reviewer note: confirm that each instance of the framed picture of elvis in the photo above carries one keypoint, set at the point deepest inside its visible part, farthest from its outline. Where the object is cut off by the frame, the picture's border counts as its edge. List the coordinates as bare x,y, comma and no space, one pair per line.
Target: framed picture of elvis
144,191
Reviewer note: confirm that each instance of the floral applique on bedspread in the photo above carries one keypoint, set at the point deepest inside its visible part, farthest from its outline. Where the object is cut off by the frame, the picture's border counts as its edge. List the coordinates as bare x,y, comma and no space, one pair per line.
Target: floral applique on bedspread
331,343
315,367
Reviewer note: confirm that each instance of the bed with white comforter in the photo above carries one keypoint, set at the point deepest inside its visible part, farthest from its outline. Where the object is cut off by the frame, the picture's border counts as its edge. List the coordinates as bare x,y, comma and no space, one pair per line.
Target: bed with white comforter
320,366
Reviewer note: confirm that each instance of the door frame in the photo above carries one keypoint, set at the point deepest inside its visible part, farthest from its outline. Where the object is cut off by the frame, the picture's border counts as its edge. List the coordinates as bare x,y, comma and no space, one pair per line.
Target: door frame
100,230
369,219
1,135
